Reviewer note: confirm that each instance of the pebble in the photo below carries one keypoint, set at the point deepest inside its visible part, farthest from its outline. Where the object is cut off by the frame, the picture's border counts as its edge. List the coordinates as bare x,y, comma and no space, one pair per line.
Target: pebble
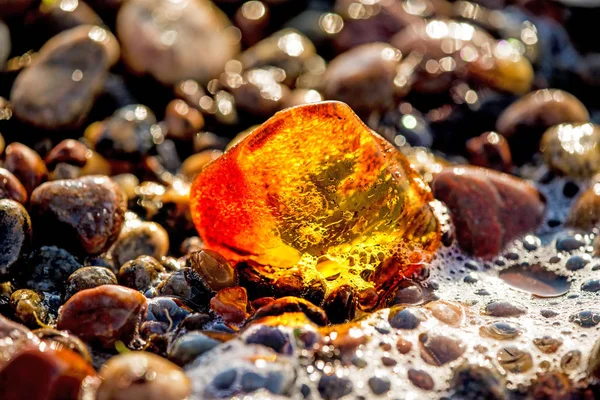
182,121
572,149
552,384
140,273
190,346
4,43
547,344
403,346
570,361
585,319
379,385
48,268
363,77
290,305
449,312
585,212
420,379
503,309
28,307
231,304
59,65
15,241
26,165
575,263
96,213
11,188
405,319
340,304
477,382
128,135
175,41
569,243
490,150
68,151
514,360
214,269
140,238
591,285
500,330
103,315
59,373
63,340
270,337
472,193
136,375
332,387
258,91
88,278
439,350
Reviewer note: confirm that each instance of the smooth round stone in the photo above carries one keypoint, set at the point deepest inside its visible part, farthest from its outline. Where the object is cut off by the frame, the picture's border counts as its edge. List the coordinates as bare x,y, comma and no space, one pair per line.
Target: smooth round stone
140,238
258,92
503,309
490,150
514,360
547,344
26,165
585,212
572,149
103,315
48,268
54,17
68,151
500,330
182,120
420,379
28,307
363,77
4,43
88,278
190,346
231,304
15,240
289,305
142,375
570,361
269,336
477,382
70,69
575,263
64,340
379,385
214,269
96,208
173,41
340,304
140,273
591,285
449,312
406,319
585,319
439,350
332,387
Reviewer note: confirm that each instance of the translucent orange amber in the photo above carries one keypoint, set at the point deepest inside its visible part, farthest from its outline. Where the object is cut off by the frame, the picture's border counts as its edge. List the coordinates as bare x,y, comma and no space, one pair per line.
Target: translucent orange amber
314,189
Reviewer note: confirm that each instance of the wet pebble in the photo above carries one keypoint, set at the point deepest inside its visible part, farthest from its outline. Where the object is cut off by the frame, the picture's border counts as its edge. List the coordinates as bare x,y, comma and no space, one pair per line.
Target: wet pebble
168,310
572,149
420,379
490,150
470,194
503,309
477,382
586,318
332,387
448,312
214,269
190,346
15,241
439,350
591,285
569,243
547,344
96,208
182,121
290,305
60,65
140,273
405,319
11,188
340,304
28,307
142,375
68,151
103,315
231,304
514,360
4,43
585,212
26,165
269,336
575,263
379,385
500,330
48,268
64,340
570,361
88,278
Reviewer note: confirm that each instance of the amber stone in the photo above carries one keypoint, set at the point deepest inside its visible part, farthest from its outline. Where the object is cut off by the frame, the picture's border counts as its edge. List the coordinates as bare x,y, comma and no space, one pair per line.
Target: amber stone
231,304
314,185
104,314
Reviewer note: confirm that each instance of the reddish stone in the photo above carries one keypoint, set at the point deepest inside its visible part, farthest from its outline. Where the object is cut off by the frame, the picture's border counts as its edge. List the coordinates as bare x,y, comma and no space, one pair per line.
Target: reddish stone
103,315
231,303
490,150
68,151
26,165
11,188
488,208
42,373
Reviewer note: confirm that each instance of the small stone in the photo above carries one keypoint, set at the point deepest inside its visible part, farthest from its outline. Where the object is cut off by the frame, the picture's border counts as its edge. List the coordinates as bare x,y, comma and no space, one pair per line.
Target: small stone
500,330
439,350
290,305
403,346
470,193
420,379
26,165
96,208
251,381
340,304
388,362
88,278
379,385
514,360
190,346
490,150
195,41
449,312
103,315
4,43
214,269
15,240
64,340
48,268
269,336
11,188
569,243
28,307
405,319
141,273
363,77
591,285
332,387
572,149
182,121
503,309
547,344
127,135
252,18
225,379
69,69
68,151
260,92
477,382
575,263
585,213
570,361
408,293
585,319
142,375
552,384
231,304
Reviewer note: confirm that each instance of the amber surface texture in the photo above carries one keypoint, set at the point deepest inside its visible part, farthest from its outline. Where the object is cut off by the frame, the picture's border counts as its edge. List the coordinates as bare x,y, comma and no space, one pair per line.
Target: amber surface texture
313,189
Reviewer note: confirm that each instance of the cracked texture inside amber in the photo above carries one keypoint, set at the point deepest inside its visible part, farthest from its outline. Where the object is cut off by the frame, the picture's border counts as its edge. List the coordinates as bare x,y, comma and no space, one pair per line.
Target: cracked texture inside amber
313,189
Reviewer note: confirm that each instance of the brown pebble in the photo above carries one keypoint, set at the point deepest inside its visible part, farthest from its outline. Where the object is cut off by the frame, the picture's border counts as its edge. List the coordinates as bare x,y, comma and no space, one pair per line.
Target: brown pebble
403,346
439,350
490,150
11,188
68,151
26,165
503,309
182,121
231,303
420,379
103,315
140,238
291,305
585,212
140,273
214,269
